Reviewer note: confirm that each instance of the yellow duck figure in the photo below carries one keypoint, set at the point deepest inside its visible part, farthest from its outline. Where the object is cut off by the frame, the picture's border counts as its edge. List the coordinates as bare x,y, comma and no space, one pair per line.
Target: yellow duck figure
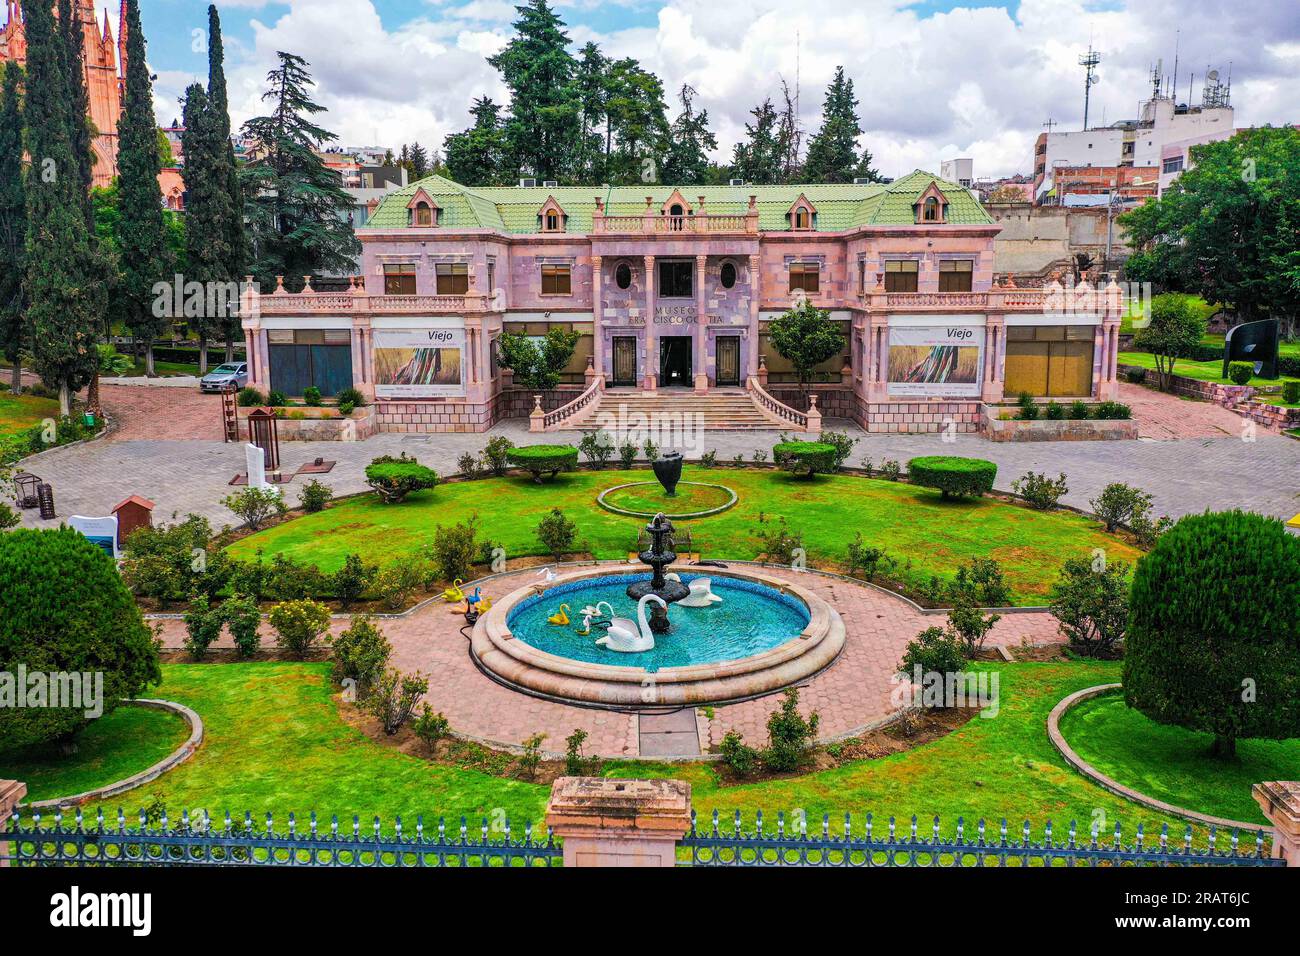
485,605
560,617
585,627
453,594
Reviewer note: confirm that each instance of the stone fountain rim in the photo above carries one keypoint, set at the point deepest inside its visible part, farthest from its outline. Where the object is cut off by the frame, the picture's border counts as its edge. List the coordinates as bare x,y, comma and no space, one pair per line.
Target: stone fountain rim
530,670
686,516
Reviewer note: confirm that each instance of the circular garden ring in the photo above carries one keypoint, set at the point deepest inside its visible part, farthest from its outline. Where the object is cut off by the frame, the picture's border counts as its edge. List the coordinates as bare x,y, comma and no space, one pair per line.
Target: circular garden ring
732,498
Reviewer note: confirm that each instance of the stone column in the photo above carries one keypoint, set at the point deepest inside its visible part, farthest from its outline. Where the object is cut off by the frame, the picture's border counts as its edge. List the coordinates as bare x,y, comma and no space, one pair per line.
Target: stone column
994,331
1280,801
619,822
701,329
597,318
650,378
11,792
755,290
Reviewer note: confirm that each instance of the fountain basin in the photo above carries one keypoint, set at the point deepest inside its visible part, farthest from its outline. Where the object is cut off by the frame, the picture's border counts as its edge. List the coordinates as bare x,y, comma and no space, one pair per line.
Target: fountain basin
708,657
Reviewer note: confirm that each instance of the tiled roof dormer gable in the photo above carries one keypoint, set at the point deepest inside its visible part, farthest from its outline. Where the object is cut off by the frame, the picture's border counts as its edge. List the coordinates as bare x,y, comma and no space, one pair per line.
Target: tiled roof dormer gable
552,217
421,210
676,205
802,215
932,206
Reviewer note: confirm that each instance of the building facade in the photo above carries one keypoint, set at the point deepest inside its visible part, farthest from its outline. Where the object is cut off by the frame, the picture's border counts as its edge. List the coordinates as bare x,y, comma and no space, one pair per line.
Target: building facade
672,291
105,74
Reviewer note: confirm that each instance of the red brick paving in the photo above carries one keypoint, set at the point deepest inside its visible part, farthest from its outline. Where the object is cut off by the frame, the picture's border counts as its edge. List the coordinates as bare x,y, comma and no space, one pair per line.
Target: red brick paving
852,693
1163,416
162,413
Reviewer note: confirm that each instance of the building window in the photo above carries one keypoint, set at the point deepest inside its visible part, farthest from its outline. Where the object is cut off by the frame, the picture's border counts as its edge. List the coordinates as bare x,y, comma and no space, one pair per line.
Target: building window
931,211
1174,165
862,276
801,218
453,278
552,221
557,280
399,278
955,275
806,276
900,275
423,214
676,279
491,276
623,276
728,275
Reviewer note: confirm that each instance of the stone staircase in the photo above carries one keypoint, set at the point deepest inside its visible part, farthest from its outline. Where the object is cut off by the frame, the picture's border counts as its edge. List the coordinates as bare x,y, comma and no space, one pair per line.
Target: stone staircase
729,409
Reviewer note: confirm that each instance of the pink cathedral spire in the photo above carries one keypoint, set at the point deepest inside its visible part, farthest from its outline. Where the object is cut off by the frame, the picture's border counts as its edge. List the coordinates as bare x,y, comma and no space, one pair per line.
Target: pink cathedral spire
121,38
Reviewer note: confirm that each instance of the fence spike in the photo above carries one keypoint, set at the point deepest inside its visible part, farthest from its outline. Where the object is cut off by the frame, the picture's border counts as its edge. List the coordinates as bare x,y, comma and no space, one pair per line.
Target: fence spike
334,826
1187,839
961,827
99,818
1118,836
227,821
398,825
935,831
759,823
737,823
826,826
1259,843
1024,832
121,819
464,830
356,827
185,818
1004,831
293,825
419,827
1164,837
1214,835
1139,835
780,824
981,831
893,827
1074,829
313,824
79,822
1047,833
1234,841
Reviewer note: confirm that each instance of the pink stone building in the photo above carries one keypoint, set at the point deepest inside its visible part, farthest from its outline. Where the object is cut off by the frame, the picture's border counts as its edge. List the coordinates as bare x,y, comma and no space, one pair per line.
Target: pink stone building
672,291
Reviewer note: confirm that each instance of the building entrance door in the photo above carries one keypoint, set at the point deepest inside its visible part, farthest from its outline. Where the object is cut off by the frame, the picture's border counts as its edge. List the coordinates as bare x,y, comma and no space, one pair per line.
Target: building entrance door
675,361
624,360
728,360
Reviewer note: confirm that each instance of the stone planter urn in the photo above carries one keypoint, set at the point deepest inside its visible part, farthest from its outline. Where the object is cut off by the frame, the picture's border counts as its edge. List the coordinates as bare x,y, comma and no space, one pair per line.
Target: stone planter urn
668,469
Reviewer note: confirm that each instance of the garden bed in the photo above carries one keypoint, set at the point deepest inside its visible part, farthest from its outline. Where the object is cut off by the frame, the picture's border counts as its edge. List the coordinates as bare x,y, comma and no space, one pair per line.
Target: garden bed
320,423
1087,429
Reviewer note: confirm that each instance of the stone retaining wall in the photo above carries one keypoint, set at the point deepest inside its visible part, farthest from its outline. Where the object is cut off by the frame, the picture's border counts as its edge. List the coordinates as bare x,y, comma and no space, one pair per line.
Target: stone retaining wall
320,424
1089,429
1241,399
921,416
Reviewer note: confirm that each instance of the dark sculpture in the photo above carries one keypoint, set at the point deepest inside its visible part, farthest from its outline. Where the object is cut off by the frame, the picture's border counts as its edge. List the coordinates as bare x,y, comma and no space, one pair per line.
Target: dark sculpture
659,555
1254,342
668,469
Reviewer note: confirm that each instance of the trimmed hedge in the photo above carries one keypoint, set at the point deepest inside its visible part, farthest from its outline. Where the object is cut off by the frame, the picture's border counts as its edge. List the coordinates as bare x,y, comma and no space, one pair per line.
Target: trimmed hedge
395,478
808,458
538,460
954,476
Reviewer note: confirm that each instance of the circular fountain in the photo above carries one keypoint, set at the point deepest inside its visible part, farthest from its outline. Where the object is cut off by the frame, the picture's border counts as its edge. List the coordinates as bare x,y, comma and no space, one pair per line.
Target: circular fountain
658,556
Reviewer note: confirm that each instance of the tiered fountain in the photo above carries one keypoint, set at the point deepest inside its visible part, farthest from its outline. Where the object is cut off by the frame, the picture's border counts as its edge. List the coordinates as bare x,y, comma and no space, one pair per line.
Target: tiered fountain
658,556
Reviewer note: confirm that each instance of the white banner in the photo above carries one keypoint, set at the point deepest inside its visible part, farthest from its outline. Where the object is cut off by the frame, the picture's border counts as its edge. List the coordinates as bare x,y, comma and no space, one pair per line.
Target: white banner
419,363
938,362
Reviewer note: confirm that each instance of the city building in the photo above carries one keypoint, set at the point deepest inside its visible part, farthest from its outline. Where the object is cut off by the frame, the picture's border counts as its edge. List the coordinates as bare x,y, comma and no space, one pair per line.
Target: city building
959,171
672,291
105,74
1160,139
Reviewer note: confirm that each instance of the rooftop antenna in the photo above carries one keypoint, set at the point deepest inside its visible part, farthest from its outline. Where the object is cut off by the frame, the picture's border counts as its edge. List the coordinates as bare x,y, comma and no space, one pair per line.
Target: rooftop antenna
1089,62
1173,83
1049,124
1155,79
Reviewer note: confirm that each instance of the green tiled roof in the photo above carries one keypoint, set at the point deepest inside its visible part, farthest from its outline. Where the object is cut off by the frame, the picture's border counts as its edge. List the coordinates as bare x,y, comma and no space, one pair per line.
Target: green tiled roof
839,206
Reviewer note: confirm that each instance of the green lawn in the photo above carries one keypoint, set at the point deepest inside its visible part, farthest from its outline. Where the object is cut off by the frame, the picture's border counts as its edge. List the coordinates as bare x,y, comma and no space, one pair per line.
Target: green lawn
275,743
1173,764
18,412
911,523
1201,371
128,740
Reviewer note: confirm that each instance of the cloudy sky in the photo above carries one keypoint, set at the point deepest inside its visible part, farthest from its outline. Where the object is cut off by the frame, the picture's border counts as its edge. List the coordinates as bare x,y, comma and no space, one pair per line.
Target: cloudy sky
936,79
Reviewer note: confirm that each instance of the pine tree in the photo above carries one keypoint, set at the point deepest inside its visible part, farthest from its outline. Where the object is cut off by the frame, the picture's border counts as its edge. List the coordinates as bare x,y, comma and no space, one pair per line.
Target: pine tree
65,301
145,260
687,159
544,110
593,94
758,159
236,240
833,150
298,209
477,157
13,222
637,125
419,161
78,103
207,213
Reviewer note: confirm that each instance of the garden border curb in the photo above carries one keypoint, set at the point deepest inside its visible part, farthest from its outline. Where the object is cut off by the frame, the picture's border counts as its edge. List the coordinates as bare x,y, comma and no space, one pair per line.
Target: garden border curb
1114,786
689,516
172,760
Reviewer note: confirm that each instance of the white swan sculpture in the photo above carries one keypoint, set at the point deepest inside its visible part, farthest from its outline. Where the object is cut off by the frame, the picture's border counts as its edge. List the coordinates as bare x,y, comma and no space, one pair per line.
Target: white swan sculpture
701,594
632,637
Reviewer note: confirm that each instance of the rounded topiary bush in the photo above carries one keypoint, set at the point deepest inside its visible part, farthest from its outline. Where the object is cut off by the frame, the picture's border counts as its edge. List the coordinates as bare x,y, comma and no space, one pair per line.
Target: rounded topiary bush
540,460
64,609
805,458
1213,638
954,476
395,478
1240,373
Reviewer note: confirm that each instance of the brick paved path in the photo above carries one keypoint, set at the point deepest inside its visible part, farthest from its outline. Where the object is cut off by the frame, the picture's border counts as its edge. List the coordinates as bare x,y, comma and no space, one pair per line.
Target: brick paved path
851,694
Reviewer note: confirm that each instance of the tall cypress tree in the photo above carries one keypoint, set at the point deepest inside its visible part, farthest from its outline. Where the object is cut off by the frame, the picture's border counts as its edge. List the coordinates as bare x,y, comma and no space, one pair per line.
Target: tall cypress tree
145,259
78,102
207,211
236,240
537,68
13,222
833,150
477,157
65,298
298,210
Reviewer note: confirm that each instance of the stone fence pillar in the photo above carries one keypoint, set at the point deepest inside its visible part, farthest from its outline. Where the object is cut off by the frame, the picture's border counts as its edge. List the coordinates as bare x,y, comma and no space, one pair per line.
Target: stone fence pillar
11,791
1280,801
619,822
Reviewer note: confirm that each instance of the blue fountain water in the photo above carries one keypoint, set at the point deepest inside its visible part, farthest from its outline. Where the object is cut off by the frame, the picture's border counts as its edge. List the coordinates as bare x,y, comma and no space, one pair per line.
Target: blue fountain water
751,618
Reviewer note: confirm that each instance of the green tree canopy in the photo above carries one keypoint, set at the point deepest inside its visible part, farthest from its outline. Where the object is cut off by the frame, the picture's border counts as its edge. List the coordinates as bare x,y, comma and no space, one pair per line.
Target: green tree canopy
13,223
690,141
1228,229
480,155
537,366
1176,328
207,212
833,150
806,336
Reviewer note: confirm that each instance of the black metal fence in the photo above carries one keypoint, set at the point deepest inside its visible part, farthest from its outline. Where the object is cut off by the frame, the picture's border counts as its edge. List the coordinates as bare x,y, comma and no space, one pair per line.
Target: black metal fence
33,841
869,847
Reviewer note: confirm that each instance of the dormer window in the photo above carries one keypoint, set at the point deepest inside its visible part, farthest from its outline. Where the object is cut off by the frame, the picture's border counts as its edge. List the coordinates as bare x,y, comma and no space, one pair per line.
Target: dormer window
932,206
551,217
931,210
801,214
423,215
421,210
